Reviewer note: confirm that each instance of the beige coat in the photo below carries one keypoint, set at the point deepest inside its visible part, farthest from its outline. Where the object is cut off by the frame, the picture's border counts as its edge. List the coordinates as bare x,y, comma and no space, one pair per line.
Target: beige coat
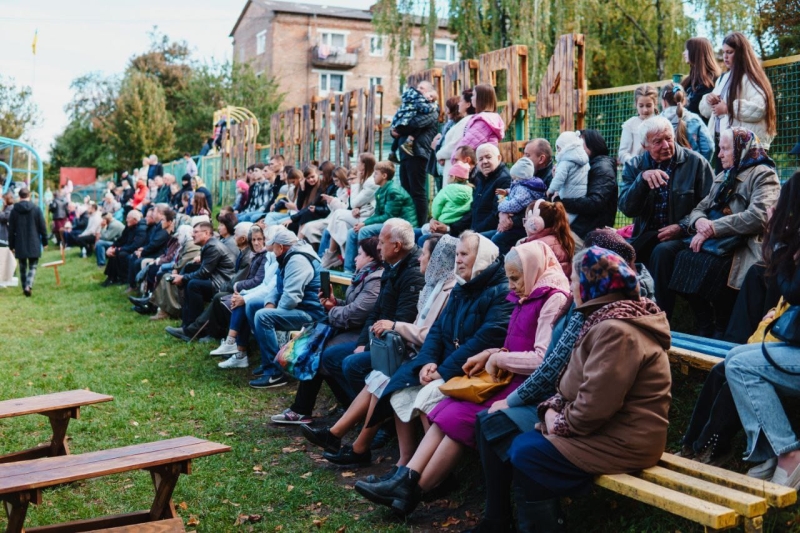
757,189
167,296
415,333
617,388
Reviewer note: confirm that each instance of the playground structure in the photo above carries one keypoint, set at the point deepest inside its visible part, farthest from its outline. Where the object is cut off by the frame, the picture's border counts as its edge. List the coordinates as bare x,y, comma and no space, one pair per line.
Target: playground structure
13,149
239,132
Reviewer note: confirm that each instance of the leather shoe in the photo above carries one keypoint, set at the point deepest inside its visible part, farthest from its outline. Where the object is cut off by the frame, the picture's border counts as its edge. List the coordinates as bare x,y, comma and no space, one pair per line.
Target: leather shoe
322,437
107,283
144,309
177,333
401,493
141,302
346,456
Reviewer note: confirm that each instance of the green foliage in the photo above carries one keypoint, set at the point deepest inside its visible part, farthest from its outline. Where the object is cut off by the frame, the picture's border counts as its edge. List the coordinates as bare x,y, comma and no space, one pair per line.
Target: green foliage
167,62
777,34
18,113
140,123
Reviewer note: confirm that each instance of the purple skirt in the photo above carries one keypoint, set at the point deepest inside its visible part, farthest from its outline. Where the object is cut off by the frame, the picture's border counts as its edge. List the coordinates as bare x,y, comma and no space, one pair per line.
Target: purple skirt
456,418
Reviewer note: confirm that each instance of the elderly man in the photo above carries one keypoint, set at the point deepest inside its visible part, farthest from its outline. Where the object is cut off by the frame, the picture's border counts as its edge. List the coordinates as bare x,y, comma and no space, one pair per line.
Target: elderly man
349,363
540,153
133,237
110,230
292,303
660,188
157,238
216,268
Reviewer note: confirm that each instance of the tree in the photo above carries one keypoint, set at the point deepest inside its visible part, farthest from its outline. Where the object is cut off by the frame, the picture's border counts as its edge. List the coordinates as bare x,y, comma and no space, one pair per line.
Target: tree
169,63
18,114
140,123
777,34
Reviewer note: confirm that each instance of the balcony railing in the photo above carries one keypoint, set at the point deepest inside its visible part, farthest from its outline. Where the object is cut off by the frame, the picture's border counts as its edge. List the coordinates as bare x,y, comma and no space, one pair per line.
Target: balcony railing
333,58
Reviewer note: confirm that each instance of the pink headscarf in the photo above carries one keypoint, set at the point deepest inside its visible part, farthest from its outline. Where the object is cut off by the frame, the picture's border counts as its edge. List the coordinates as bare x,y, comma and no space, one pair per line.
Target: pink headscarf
242,185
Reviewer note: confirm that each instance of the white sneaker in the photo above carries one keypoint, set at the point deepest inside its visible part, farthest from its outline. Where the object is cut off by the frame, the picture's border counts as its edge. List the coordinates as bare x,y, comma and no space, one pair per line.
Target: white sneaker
225,349
235,361
765,470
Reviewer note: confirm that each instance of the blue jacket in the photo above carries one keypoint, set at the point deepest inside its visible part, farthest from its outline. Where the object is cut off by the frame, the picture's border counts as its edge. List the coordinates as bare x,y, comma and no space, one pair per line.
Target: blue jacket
298,283
475,318
696,130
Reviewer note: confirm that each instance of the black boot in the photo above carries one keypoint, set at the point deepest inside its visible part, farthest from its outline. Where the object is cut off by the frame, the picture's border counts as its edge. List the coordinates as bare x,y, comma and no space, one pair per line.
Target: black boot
543,516
387,476
401,492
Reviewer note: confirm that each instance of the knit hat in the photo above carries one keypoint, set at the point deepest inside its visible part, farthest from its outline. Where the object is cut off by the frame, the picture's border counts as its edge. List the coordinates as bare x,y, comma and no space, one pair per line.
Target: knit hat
460,170
611,240
523,169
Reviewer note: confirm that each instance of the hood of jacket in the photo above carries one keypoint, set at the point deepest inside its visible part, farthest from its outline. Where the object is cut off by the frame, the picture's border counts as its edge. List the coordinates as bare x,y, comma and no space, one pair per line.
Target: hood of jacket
655,325
493,121
24,207
575,155
534,184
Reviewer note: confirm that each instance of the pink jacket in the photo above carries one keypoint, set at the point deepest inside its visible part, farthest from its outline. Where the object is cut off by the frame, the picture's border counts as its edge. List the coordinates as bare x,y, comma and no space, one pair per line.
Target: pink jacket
482,128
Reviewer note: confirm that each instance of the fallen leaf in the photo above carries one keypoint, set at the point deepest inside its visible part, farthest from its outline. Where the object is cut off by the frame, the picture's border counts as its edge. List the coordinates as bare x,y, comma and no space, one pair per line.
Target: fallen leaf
162,354
319,521
145,381
193,521
229,434
183,505
191,393
306,475
289,488
348,474
258,468
134,423
341,529
278,528
291,449
451,521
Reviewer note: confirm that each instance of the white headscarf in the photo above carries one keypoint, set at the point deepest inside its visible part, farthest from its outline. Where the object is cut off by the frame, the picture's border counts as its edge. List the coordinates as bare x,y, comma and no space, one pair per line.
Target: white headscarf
488,252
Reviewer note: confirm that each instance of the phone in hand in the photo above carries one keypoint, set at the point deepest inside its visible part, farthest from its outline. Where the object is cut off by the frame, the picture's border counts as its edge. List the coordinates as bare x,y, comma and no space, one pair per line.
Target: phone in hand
325,282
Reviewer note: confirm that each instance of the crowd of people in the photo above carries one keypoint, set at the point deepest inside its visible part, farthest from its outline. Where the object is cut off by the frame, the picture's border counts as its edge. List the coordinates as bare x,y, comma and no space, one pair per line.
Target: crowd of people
517,285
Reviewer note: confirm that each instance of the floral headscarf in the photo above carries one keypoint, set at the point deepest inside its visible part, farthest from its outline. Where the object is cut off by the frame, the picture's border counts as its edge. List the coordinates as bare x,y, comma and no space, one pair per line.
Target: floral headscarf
747,152
439,271
611,240
603,272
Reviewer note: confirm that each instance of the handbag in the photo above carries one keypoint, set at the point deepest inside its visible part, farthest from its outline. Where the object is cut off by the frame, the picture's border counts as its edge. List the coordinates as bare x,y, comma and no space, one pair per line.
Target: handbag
721,246
387,352
477,388
786,329
300,356
761,331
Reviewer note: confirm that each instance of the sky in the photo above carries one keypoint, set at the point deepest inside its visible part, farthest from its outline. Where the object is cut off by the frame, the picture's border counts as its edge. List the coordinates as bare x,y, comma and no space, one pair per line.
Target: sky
80,36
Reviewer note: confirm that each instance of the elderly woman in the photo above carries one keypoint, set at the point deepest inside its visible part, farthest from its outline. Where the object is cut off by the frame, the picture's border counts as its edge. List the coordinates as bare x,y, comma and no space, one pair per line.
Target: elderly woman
727,227
540,293
609,415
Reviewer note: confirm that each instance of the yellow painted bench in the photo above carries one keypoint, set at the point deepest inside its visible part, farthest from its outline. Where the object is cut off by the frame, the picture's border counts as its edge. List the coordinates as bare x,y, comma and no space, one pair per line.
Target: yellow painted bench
712,497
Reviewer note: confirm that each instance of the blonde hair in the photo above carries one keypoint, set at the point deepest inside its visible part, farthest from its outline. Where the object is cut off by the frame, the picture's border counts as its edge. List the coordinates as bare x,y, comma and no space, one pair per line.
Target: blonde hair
646,91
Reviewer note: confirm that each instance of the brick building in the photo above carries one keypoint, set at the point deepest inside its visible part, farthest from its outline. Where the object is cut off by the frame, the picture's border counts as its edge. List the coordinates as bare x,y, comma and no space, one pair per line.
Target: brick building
312,49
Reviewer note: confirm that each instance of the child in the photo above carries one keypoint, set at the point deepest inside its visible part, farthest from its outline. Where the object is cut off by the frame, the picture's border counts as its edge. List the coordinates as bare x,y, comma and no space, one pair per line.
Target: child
572,168
645,98
419,100
454,200
547,222
690,130
525,188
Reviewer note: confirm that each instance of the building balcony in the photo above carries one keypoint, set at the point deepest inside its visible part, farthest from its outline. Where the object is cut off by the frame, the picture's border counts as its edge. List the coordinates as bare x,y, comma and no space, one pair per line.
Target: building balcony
333,58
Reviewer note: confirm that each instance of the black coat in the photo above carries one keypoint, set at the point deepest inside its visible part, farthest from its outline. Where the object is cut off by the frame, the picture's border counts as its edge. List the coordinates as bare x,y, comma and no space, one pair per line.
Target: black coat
321,209
485,216
136,237
598,208
545,173
216,264
475,318
157,238
27,232
424,128
397,301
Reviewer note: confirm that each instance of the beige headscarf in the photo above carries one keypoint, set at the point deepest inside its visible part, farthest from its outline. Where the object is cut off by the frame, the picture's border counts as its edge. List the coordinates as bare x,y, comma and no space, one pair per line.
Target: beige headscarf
488,252
540,267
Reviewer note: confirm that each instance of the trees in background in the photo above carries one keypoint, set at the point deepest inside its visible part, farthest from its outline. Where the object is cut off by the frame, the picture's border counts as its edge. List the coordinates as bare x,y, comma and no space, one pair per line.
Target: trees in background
18,113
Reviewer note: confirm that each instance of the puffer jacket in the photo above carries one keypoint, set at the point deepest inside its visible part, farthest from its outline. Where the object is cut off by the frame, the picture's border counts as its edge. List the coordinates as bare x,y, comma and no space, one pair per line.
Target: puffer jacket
598,208
255,274
485,215
452,203
572,174
757,190
359,301
690,183
750,108
423,127
392,201
475,318
486,127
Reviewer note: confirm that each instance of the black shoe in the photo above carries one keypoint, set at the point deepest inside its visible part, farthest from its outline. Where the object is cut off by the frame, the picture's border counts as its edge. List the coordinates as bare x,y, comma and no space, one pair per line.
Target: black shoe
382,438
178,333
269,382
386,477
401,493
141,302
107,283
322,437
393,158
145,309
346,456
27,292
543,515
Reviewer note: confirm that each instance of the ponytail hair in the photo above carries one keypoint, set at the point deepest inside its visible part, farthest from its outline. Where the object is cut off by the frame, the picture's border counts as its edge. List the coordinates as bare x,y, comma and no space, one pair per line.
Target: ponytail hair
673,95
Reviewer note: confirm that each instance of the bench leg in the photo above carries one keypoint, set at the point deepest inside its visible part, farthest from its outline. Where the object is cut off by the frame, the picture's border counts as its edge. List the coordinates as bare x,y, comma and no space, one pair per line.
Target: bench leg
754,525
16,506
164,480
58,278
59,421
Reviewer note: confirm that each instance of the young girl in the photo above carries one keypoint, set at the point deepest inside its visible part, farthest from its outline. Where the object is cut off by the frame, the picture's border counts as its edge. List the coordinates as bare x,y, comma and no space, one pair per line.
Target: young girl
286,202
572,169
242,195
703,72
200,205
340,182
455,199
645,98
486,126
690,130
547,222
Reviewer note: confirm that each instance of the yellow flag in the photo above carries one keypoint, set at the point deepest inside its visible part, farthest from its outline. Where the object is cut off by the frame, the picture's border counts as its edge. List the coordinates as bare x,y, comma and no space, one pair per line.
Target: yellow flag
35,40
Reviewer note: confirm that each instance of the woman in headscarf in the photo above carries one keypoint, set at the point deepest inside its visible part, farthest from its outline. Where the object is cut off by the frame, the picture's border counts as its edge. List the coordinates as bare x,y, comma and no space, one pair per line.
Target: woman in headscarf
436,263
242,195
609,415
726,228
539,291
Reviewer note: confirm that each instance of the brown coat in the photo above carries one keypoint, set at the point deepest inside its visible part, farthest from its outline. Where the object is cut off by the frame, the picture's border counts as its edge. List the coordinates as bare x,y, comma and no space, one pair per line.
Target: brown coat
617,388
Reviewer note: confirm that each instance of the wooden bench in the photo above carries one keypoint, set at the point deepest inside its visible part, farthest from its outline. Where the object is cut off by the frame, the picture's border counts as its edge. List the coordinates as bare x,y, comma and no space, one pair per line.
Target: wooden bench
21,484
713,497
59,407
697,352
55,264
340,278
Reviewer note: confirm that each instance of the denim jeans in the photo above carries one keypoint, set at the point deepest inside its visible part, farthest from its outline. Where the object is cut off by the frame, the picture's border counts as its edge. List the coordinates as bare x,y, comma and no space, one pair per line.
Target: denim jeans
337,364
505,240
239,325
353,238
251,216
100,251
325,242
755,385
273,218
266,322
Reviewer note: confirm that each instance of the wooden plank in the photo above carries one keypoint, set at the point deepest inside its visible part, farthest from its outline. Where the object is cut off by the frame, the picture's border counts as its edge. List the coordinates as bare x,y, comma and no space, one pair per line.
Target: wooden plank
776,495
693,359
341,279
679,338
172,525
51,402
743,503
705,513
94,524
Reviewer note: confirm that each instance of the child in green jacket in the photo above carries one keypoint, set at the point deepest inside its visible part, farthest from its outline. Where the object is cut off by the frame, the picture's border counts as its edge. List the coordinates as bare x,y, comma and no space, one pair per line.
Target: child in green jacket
455,199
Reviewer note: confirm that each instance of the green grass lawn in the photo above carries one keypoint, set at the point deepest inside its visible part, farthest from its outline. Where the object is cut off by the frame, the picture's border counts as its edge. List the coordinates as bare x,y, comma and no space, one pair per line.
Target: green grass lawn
80,335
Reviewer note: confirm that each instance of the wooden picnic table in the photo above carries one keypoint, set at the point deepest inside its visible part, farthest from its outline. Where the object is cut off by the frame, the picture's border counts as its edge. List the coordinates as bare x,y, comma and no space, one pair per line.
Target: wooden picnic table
60,408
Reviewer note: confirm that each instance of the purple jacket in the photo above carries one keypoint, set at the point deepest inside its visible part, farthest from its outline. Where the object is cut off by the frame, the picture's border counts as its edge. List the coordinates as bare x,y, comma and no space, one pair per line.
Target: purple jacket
482,128
524,319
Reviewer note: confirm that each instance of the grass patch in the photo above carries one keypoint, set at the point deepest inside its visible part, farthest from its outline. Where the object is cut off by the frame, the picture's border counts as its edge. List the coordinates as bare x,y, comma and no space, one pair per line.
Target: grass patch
80,335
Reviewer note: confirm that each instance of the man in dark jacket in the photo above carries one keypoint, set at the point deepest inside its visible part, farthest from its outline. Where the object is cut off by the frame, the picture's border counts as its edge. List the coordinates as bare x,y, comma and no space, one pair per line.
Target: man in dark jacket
216,268
349,363
27,233
155,245
660,188
133,237
540,153
59,209
413,178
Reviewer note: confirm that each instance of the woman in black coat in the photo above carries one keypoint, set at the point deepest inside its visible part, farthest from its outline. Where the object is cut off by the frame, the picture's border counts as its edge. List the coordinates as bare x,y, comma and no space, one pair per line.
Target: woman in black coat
27,233
598,209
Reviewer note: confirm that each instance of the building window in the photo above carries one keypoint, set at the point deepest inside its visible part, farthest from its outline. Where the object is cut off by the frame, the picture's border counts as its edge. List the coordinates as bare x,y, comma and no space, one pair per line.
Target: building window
261,42
376,45
330,82
333,39
446,51
375,80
